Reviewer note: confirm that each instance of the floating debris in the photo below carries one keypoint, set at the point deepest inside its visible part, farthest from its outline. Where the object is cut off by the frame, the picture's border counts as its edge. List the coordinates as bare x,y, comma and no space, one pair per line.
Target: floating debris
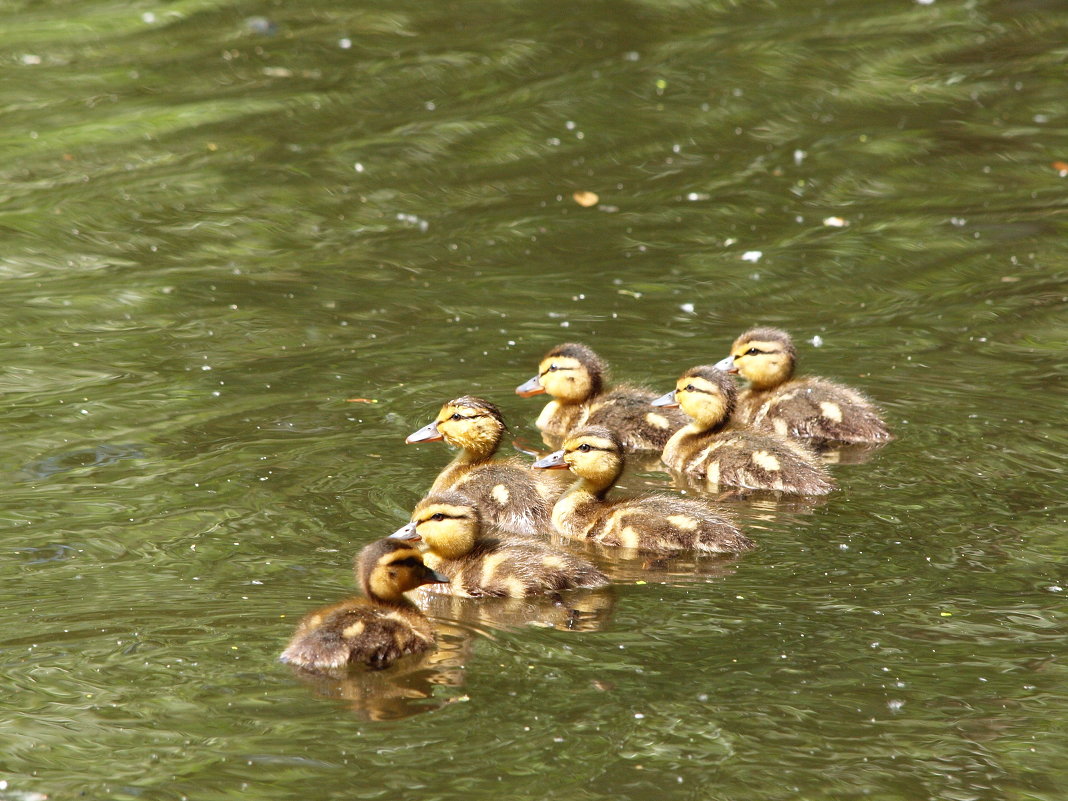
1061,167
586,199
835,222
753,256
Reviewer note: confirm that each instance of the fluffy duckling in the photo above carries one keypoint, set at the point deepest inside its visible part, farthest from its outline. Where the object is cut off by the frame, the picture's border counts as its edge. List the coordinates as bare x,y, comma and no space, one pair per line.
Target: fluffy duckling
513,496
574,376
651,523
805,408
710,450
375,630
484,562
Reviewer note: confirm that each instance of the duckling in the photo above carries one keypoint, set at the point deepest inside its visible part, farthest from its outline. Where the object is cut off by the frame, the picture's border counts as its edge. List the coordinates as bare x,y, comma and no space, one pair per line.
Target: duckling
513,496
483,561
709,449
652,523
574,376
804,408
375,630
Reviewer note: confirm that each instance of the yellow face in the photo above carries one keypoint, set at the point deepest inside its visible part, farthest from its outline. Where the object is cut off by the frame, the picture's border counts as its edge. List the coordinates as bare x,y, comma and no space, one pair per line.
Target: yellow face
469,427
593,457
764,363
449,530
565,378
701,399
398,571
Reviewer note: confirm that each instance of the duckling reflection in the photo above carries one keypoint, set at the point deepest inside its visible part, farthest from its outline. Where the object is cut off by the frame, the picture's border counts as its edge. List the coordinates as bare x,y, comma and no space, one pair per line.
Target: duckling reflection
574,376
510,494
803,408
412,686
375,630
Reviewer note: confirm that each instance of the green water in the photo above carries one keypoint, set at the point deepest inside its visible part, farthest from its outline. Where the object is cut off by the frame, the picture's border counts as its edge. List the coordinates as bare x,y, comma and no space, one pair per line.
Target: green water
215,234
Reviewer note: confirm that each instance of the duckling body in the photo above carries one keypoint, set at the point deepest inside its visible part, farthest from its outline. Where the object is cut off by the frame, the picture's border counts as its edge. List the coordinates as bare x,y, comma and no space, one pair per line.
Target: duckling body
650,523
484,561
375,630
713,450
574,376
802,408
508,491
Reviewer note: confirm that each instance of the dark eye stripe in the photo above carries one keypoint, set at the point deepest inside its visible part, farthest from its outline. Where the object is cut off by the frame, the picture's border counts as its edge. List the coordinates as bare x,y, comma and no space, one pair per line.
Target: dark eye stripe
408,561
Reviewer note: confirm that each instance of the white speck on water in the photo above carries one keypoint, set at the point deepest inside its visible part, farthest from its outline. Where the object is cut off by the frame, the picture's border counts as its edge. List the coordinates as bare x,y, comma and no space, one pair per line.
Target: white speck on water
843,547
30,60
570,125
687,307
693,196
799,156
639,716
358,167
430,105
1055,588
345,44
632,55
752,255
205,367
817,341
895,705
565,324
148,18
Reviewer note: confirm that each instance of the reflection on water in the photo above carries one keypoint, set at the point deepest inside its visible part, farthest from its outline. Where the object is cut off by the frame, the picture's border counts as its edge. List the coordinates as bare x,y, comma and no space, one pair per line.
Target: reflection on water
574,610
410,686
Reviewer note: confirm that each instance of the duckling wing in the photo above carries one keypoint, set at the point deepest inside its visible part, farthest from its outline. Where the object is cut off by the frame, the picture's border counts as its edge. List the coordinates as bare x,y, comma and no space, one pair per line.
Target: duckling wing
663,524
753,460
511,496
815,408
628,411
510,566
354,632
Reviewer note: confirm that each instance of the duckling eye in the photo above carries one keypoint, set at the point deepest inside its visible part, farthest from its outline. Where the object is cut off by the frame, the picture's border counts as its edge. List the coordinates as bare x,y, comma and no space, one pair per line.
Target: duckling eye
456,416
552,368
689,388
585,447
753,352
437,516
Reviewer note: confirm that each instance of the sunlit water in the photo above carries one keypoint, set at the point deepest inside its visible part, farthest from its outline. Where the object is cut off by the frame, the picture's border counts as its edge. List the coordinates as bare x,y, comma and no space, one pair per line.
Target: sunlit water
218,231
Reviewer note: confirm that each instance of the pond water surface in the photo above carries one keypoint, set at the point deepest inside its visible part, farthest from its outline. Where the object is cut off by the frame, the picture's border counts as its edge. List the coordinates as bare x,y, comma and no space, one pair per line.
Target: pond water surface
222,222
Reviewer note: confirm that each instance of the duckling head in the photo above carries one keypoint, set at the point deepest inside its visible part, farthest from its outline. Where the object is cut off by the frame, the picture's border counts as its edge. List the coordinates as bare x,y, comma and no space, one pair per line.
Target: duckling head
387,568
593,453
764,356
571,373
471,423
448,522
705,393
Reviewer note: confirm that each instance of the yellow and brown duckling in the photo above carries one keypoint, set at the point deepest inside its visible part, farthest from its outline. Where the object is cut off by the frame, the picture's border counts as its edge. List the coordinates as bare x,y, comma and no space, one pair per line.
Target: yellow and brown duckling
375,630
719,453
511,494
575,378
654,523
803,408
486,562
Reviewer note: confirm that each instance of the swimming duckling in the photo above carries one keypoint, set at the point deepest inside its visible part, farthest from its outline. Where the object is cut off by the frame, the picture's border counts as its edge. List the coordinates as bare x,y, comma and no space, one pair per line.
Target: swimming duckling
805,408
375,630
485,562
512,495
710,449
574,376
651,523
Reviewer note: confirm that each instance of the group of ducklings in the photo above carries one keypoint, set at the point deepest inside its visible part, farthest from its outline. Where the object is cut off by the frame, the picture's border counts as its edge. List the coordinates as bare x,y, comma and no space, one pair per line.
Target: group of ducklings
479,525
